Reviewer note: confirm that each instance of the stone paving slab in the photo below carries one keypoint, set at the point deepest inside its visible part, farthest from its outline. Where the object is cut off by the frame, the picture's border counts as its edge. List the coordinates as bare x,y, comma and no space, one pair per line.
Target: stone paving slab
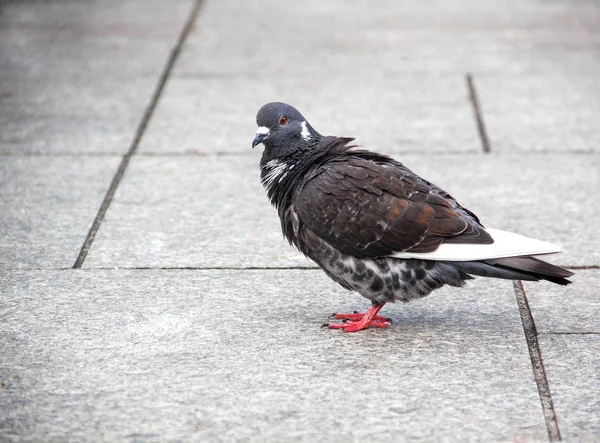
72,118
48,205
310,37
549,112
111,18
567,309
68,39
199,211
423,60
411,113
192,211
240,355
77,76
572,365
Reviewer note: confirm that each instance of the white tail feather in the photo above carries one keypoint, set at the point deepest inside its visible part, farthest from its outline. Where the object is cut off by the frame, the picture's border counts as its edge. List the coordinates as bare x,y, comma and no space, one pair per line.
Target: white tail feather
506,244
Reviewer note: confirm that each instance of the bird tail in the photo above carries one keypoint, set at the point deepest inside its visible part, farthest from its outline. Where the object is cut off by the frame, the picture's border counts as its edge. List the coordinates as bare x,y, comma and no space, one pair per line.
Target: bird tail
516,268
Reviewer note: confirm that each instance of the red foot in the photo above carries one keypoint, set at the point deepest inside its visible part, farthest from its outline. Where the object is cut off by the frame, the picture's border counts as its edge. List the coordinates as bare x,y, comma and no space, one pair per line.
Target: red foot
359,321
357,316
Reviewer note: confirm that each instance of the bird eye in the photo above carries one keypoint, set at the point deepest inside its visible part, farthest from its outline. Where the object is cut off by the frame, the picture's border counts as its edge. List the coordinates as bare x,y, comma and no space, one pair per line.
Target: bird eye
283,120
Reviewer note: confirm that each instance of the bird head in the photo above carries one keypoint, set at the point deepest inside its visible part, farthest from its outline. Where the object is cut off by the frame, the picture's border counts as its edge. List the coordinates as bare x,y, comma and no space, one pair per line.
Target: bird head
282,126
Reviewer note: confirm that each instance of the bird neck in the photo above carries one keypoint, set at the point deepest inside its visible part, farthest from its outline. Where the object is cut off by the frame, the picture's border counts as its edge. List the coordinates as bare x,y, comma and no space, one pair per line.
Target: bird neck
279,176
282,174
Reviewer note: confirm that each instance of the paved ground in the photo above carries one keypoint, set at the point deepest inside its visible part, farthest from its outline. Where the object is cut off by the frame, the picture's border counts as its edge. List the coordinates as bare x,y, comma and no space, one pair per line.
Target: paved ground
146,292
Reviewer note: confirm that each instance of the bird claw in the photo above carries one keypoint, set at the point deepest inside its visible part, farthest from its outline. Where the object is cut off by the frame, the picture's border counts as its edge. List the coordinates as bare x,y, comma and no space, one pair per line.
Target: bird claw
354,326
358,321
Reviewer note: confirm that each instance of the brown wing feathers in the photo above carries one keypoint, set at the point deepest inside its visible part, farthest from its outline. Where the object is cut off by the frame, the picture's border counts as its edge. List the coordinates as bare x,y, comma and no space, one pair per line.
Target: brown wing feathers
371,209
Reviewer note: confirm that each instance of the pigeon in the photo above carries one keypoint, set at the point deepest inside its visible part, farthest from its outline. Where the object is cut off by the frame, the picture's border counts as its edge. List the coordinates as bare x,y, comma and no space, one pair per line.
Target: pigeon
376,227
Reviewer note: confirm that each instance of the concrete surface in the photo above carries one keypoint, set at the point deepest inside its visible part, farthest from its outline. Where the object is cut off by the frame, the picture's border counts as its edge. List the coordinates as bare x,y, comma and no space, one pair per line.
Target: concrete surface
212,355
207,114
572,362
176,349
398,36
537,112
48,204
556,310
77,76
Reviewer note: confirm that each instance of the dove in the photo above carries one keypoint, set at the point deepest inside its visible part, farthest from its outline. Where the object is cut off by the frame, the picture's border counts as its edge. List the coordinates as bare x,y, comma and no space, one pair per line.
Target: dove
376,227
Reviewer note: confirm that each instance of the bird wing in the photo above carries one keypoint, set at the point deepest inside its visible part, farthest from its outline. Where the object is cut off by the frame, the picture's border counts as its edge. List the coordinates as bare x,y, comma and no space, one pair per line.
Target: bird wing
373,207
506,244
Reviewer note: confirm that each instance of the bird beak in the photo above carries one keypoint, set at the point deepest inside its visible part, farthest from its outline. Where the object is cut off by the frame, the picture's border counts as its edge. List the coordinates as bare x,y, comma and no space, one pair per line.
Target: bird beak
262,133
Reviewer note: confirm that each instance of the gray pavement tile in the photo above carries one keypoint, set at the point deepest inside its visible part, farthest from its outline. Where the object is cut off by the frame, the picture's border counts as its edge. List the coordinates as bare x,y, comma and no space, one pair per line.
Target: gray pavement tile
77,76
138,18
549,112
569,309
191,211
48,205
72,118
411,113
396,36
572,365
212,211
240,355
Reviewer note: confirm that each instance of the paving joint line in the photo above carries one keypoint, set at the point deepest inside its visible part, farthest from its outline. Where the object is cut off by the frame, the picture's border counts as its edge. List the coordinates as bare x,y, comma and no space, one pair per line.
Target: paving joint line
537,363
570,333
210,268
582,267
89,240
229,268
252,154
169,268
61,154
399,152
474,99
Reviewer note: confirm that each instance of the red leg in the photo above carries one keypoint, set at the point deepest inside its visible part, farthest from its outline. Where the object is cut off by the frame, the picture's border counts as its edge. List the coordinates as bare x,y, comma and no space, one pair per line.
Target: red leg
359,321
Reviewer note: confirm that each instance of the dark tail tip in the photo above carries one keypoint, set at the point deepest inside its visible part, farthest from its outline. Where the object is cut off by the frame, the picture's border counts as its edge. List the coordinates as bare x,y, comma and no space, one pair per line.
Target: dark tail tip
536,268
